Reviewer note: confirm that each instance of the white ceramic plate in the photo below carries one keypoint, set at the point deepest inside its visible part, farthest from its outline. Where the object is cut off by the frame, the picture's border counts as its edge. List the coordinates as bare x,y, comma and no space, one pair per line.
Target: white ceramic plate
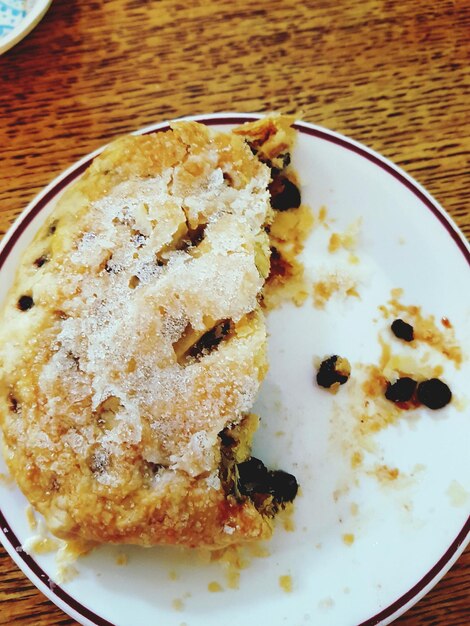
407,533
34,12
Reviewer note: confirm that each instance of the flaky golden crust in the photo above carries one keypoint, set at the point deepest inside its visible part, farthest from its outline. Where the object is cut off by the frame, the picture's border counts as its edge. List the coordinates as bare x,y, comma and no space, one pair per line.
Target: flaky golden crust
132,344
139,341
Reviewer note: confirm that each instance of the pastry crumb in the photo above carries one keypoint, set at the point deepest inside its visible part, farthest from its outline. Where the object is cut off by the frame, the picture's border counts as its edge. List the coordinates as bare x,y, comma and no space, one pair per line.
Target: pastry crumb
346,240
259,551
6,479
173,575
66,556
385,474
325,288
177,604
348,539
214,587
66,573
286,281
323,216
40,544
233,580
122,559
340,491
285,583
286,518
356,459
235,558
457,494
32,522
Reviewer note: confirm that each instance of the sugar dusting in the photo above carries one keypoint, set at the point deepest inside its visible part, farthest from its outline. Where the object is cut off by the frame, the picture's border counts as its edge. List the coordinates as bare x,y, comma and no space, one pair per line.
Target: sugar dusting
134,283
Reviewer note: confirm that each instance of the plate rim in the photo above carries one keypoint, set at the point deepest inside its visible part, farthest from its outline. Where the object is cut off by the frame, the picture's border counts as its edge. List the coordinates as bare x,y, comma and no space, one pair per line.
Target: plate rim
27,563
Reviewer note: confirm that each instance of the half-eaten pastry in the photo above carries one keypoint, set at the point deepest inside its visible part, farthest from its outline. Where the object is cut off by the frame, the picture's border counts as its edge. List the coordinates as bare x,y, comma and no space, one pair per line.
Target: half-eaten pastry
132,344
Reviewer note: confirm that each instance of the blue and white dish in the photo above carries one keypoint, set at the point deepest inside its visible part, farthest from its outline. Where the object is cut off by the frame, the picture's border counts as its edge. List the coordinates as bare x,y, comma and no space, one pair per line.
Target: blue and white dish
18,18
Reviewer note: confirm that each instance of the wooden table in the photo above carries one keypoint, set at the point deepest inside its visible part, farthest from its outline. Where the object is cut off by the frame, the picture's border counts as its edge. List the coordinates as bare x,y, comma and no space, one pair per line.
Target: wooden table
390,74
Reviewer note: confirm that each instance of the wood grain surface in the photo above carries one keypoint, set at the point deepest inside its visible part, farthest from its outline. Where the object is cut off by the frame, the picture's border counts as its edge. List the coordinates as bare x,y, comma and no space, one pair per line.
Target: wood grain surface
393,75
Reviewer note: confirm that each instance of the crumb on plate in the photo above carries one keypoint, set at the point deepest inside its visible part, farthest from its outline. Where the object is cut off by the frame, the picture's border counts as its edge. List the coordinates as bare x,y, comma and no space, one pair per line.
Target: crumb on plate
177,604
325,288
122,559
32,522
348,539
285,583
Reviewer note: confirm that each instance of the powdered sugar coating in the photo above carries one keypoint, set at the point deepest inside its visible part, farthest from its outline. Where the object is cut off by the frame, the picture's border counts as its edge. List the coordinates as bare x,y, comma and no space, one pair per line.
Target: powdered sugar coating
154,247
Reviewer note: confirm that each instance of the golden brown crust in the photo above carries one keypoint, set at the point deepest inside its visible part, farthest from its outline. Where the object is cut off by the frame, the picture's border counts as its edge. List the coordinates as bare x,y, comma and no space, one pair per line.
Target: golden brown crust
132,337
111,398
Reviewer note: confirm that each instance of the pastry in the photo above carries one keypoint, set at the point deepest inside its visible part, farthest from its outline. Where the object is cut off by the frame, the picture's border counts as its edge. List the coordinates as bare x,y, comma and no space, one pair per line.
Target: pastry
132,343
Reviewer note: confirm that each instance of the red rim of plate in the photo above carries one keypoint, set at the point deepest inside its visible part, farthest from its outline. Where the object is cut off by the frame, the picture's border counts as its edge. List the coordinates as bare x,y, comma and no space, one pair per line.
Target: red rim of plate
9,539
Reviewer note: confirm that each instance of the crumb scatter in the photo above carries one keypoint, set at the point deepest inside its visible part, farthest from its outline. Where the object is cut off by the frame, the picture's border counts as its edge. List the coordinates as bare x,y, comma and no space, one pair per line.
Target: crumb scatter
348,539
285,583
177,604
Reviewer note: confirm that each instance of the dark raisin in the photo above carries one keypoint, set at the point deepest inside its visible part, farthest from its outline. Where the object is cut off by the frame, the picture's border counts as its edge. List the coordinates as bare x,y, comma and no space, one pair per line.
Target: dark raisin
334,369
282,486
13,403
228,179
196,235
253,477
284,194
282,161
52,228
226,440
40,261
25,303
285,159
446,322
211,339
154,467
402,330
192,238
434,394
402,390
278,265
